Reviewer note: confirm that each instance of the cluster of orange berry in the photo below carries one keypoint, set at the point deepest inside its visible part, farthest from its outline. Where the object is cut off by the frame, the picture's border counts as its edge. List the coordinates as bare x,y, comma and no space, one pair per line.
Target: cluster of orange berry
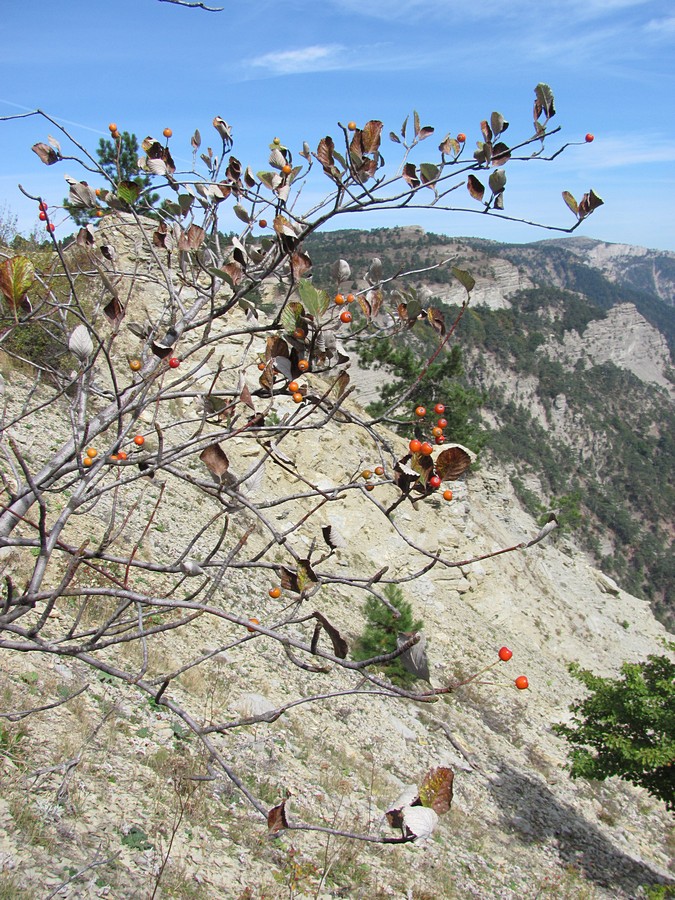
425,448
275,593
340,300
91,453
367,475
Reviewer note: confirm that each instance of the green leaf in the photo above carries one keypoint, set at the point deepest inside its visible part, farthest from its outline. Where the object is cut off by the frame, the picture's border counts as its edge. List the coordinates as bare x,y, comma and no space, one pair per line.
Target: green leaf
464,278
16,277
571,202
315,301
429,172
544,101
128,192
497,181
288,319
241,213
498,123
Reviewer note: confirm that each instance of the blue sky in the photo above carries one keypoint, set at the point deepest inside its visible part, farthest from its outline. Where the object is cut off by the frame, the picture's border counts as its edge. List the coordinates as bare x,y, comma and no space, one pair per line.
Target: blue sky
294,69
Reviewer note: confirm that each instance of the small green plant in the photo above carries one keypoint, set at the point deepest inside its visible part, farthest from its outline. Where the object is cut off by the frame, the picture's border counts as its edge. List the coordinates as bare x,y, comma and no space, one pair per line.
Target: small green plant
382,628
136,839
626,727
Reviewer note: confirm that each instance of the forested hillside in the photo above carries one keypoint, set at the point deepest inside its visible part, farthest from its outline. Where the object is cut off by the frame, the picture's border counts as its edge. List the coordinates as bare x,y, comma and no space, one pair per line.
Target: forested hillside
579,430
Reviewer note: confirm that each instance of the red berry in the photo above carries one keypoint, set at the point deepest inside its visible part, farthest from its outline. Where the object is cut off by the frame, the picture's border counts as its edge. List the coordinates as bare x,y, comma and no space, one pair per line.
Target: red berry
461,137
415,446
505,654
421,412
435,481
42,216
426,449
379,470
174,362
590,138
439,409
263,223
345,316
442,423
447,495
139,440
522,683
440,439
42,206
51,226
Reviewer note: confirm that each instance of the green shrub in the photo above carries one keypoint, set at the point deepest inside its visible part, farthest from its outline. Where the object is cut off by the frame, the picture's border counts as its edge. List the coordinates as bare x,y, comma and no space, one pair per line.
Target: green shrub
626,727
382,628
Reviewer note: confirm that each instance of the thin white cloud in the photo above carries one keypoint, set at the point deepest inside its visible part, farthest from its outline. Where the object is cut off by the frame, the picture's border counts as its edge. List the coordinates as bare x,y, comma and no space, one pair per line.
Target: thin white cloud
315,58
627,150
664,27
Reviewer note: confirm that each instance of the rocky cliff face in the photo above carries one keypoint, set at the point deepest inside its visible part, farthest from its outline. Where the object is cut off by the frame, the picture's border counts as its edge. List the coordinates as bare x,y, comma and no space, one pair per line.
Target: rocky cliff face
99,781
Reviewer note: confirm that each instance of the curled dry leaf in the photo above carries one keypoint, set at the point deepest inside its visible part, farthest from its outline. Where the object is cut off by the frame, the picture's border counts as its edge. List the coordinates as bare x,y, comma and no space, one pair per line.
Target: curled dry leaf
414,659
454,461
408,797
80,343
47,154
419,822
215,460
276,818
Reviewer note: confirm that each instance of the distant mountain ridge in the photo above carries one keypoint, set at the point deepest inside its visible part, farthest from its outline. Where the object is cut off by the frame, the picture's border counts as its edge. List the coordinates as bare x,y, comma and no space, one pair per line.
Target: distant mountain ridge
570,342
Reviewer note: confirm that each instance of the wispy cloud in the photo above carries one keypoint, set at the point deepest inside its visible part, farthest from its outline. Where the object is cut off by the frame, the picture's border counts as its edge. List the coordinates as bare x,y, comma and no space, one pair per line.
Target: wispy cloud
315,58
628,150
663,27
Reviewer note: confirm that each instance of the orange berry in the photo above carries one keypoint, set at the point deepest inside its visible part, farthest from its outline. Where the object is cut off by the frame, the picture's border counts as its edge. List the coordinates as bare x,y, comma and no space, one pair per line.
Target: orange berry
287,169
299,334
522,683
92,452
293,387
447,495
135,365
339,300
415,446
437,432
379,470
426,449
297,397
167,132
350,298
99,213
112,128
139,440
303,365
346,317
262,366
352,126
461,137
122,454
366,474
275,593
87,461
253,621
114,457
98,192
370,486
420,412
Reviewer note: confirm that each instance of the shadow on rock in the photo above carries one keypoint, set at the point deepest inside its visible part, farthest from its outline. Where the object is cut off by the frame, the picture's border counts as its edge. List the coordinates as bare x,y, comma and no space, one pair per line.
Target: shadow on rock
537,815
